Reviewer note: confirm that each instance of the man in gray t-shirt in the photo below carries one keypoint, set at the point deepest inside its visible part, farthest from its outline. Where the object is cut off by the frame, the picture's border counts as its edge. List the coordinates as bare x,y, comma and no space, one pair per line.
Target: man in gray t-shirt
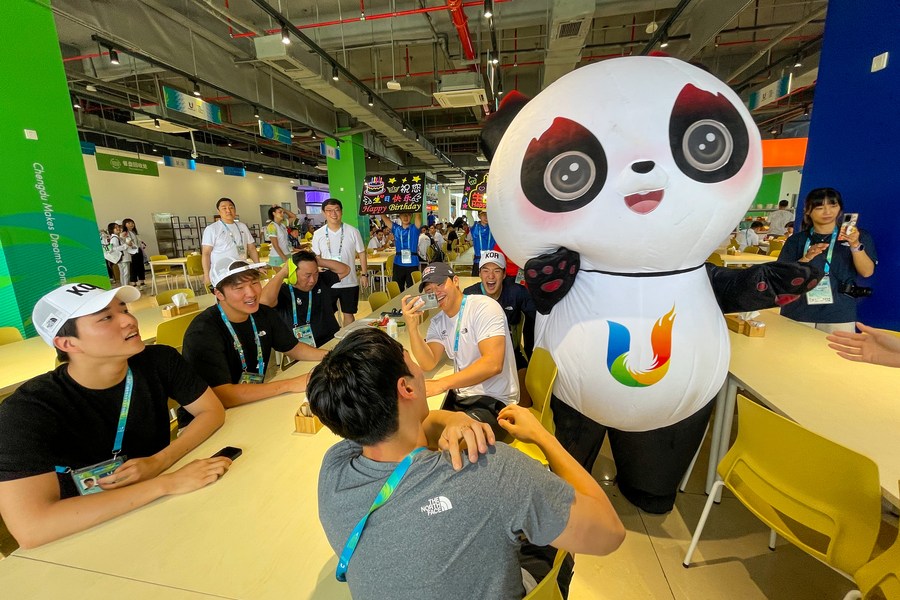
447,529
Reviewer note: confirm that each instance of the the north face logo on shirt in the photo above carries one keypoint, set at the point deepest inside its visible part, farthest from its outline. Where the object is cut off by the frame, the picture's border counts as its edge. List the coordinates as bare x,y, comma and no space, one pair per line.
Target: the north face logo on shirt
437,505
262,333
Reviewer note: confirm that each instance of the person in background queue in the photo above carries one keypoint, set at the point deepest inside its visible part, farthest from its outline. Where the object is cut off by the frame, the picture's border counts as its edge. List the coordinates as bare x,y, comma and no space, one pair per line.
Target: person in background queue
482,239
227,237
306,299
370,392
136,247
229,344
406,241
338,241
65,465
277,234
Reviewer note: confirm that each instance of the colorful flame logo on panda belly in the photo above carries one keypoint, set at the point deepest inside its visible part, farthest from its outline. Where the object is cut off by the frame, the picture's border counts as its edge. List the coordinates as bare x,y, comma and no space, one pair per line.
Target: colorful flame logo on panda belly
619,347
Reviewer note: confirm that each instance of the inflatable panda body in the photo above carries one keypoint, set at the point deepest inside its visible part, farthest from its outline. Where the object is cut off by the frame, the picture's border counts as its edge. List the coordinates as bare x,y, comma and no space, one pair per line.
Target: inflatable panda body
612,187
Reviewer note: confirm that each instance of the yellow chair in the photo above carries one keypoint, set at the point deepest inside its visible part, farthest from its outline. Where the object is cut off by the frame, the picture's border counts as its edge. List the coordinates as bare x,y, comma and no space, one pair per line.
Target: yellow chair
751,250
377,300
8,335
775,254
882,572
539,380
417,276
716,259
775,246
548,589
452,256
164,271
165,297
171,331
195,269
393,289
733,243
826,499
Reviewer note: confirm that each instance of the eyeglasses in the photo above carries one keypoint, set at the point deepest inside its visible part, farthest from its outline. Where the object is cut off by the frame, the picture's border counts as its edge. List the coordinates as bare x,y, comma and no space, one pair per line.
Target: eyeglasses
332,211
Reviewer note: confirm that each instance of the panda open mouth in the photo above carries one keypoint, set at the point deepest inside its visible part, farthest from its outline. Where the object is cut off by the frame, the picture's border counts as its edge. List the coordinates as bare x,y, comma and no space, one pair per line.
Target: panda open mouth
644,203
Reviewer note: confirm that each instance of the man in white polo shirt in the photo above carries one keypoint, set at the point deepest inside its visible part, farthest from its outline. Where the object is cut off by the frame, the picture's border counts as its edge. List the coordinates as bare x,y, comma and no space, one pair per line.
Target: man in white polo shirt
226,237
472,331
341,242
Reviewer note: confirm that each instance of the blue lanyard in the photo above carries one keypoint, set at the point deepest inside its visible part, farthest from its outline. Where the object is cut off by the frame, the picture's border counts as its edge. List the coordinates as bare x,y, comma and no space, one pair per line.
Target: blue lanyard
123,418
294,304
386,491
462,307
328,241
830,249
260,366
228,229
481,230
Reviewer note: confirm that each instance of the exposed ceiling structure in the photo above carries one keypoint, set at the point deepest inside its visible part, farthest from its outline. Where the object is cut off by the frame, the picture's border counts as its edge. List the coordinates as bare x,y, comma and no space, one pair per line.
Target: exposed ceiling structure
415,77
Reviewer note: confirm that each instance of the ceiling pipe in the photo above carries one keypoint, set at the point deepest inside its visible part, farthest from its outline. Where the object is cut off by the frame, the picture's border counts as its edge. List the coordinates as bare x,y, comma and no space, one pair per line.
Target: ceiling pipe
664,28
458,16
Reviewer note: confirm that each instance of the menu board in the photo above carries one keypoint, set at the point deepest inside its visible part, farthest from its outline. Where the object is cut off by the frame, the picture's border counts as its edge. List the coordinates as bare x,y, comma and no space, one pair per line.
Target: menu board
475,191
392,194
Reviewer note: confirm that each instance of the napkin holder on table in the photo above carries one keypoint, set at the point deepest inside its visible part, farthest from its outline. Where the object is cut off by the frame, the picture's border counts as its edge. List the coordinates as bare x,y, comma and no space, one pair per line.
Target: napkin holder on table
305,421
170,310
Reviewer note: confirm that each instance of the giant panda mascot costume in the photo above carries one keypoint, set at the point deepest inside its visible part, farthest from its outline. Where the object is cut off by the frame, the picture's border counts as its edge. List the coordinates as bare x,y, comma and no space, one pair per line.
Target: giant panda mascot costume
612,187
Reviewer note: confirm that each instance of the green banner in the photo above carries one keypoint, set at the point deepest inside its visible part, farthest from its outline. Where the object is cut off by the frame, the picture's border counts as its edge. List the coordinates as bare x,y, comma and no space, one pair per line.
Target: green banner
48,229
191,105
127,164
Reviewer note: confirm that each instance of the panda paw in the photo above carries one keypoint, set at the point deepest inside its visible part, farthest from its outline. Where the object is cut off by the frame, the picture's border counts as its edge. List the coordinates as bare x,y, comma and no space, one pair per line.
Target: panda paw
550,277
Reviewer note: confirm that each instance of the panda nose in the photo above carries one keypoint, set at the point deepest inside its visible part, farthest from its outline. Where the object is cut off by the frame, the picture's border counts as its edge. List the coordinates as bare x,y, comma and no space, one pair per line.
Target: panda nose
644,166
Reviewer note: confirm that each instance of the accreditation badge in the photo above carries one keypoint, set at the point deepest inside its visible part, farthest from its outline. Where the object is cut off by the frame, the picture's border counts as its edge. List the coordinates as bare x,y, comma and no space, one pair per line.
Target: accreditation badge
821,294
304,334
87,479
406,257
248,377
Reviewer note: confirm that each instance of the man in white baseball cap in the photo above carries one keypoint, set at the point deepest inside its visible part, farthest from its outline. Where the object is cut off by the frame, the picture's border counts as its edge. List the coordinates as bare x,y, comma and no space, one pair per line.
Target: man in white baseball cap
517,305
58,443
229,344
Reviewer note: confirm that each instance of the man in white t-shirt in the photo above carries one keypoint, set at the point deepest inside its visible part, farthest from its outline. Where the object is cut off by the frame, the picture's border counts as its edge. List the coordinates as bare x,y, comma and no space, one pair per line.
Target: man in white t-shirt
424,244
377,240
750,236
779,219
473,333
226,237
341,242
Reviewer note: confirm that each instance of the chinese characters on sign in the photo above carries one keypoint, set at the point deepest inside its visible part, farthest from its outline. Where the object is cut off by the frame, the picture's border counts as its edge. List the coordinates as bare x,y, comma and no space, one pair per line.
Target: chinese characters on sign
391,194
475,191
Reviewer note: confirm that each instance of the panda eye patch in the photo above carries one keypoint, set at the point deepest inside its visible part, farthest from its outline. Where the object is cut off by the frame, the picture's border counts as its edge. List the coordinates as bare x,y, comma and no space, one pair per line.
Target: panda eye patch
564,169
707,136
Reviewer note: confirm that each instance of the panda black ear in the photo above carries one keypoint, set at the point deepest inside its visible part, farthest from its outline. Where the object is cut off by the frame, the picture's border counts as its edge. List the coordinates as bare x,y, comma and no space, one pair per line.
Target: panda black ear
496,125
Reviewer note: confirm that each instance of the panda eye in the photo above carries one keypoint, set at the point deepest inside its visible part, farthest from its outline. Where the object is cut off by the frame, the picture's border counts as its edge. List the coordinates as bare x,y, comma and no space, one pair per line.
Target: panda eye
708,138
564,169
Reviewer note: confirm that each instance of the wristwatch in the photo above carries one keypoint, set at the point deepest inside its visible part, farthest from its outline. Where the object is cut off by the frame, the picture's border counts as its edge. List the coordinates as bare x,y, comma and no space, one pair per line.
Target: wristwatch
859,248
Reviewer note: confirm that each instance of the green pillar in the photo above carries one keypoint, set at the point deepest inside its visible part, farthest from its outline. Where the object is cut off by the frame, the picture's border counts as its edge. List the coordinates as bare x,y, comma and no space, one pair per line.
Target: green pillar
345,179
48,229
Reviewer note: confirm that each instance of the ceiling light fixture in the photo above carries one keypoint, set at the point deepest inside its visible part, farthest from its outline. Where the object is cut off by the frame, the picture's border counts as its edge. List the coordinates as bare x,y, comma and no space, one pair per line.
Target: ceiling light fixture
404,126
197,89
113,56
313,135
153,148
285,35
495,58
499,88
797,63
156,123
417,136
371,100
76,103
229,144
334,72
255,111
488,9
665,41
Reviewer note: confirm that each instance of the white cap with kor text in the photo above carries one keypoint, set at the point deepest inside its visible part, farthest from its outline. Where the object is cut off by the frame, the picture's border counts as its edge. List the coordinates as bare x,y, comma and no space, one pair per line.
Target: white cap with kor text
74,300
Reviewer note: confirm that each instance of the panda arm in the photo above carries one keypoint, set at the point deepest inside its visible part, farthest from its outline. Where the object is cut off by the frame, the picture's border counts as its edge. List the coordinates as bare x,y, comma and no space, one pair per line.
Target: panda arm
550,277
761,286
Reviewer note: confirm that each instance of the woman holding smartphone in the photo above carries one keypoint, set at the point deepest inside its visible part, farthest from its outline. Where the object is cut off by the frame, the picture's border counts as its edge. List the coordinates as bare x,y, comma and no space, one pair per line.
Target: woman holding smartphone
842,253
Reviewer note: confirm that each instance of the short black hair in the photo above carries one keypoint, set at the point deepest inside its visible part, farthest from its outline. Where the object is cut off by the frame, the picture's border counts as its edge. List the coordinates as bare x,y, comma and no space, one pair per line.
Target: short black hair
272,210
221,200
353,390
756,224
69,329
331,201
783,204
111,227
303,256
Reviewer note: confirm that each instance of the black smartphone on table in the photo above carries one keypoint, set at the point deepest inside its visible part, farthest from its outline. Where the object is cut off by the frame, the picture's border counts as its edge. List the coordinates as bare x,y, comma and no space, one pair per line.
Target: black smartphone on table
228,452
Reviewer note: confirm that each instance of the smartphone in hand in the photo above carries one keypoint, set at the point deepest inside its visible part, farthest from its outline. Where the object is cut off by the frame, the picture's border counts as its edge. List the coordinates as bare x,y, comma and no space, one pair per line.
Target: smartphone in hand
849,223
430,301
228,452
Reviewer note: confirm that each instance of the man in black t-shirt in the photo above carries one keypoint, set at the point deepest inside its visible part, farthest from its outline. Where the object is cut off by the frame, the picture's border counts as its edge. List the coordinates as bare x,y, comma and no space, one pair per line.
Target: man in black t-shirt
305,301
59,431
239,321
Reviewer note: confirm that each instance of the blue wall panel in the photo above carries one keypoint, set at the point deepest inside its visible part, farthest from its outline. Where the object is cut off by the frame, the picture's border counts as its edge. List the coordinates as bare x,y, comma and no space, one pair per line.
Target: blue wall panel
854,138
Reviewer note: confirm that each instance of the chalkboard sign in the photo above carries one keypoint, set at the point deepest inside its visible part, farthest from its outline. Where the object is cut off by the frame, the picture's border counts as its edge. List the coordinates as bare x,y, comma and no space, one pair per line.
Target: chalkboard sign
475,191
392,194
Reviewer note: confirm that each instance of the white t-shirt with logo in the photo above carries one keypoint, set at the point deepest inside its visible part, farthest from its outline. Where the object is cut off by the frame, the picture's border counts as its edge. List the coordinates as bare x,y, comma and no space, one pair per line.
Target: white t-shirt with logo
331,247
222,237
482,318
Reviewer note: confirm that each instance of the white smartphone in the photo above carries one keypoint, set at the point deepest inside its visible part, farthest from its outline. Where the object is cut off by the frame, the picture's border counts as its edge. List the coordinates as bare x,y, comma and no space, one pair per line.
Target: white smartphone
430,301
849,223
